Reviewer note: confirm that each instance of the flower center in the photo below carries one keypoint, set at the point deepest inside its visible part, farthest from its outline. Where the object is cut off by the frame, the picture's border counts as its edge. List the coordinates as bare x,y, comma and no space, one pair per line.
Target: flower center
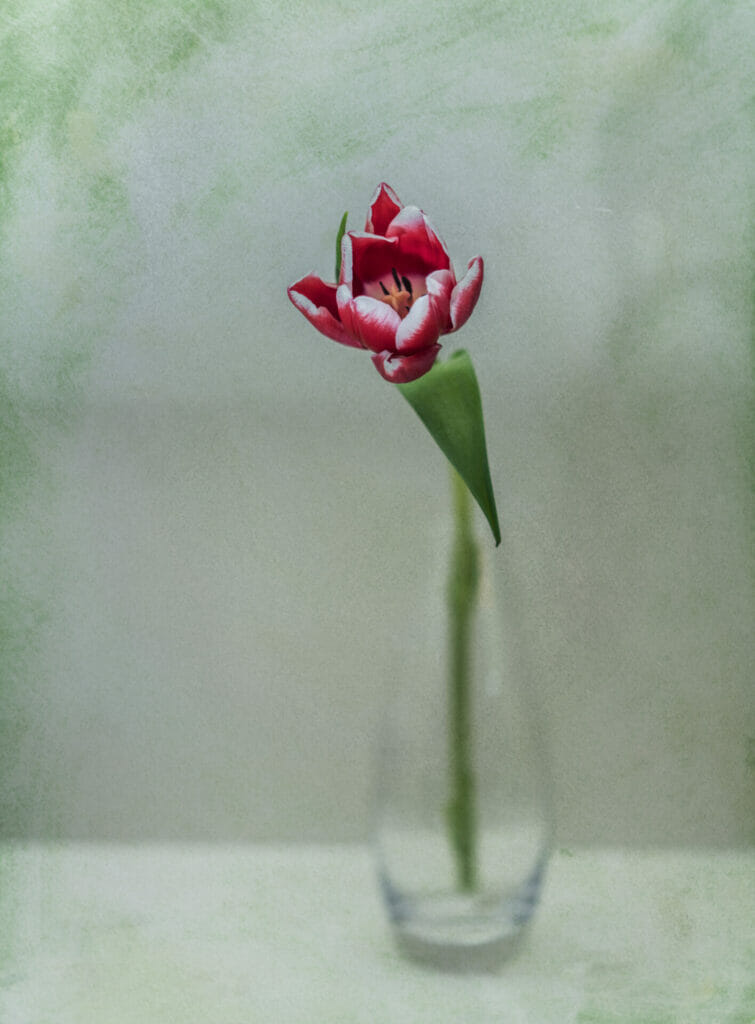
399,294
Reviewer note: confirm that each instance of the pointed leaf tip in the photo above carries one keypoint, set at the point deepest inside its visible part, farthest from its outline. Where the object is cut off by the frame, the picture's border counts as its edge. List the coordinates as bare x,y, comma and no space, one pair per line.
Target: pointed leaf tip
339,237
447,400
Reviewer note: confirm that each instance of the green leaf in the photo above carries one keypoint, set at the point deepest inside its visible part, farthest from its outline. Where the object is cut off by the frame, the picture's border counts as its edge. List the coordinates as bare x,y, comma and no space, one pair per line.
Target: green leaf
447,400
339,236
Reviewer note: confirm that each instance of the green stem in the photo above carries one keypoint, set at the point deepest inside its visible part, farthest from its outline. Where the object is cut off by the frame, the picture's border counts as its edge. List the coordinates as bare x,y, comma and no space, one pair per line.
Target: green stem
462,597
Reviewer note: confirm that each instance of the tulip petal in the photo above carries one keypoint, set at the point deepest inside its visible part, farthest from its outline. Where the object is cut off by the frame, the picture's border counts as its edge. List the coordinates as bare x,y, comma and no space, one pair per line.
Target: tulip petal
376,323
366,258
316,299
418,240
345,301
402,369
384,206
419,329
440,285
466,293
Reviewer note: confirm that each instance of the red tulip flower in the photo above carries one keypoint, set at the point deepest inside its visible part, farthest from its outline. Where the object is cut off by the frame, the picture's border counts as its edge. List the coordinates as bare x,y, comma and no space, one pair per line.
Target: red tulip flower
396,293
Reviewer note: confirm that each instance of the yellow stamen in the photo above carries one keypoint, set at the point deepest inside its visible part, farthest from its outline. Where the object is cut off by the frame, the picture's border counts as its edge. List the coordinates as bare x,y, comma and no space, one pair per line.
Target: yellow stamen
400,296
401,302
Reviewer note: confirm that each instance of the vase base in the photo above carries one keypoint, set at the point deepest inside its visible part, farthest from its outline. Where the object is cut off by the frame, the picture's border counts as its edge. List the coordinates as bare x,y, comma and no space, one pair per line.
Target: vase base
460,943
456,957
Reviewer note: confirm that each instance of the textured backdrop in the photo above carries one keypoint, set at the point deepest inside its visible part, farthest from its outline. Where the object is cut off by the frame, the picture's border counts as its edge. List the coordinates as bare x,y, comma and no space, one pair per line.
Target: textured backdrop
213,520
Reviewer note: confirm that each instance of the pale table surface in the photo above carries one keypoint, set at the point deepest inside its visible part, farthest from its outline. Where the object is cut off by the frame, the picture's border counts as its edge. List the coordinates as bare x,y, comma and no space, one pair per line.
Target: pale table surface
97,934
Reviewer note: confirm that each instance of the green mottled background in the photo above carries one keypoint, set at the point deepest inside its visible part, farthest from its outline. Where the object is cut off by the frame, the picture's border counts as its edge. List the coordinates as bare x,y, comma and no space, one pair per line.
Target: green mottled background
213,521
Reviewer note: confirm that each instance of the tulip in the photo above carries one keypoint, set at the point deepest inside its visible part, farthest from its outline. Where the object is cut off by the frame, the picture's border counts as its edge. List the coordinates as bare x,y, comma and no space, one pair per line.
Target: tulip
396,293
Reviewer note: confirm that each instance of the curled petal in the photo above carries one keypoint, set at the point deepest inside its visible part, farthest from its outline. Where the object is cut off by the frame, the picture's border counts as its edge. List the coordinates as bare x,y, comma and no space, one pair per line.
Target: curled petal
376,323
440,284
345,302
317,301
346,272
384,206
418,240
466,293
419,329
401,369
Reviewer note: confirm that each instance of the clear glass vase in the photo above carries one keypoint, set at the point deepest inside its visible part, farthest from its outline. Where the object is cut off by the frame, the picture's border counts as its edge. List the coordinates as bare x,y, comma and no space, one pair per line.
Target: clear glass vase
463,818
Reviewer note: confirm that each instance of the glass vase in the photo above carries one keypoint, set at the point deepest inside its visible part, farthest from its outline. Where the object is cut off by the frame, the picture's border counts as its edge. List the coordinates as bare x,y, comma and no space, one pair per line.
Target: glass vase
463,818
